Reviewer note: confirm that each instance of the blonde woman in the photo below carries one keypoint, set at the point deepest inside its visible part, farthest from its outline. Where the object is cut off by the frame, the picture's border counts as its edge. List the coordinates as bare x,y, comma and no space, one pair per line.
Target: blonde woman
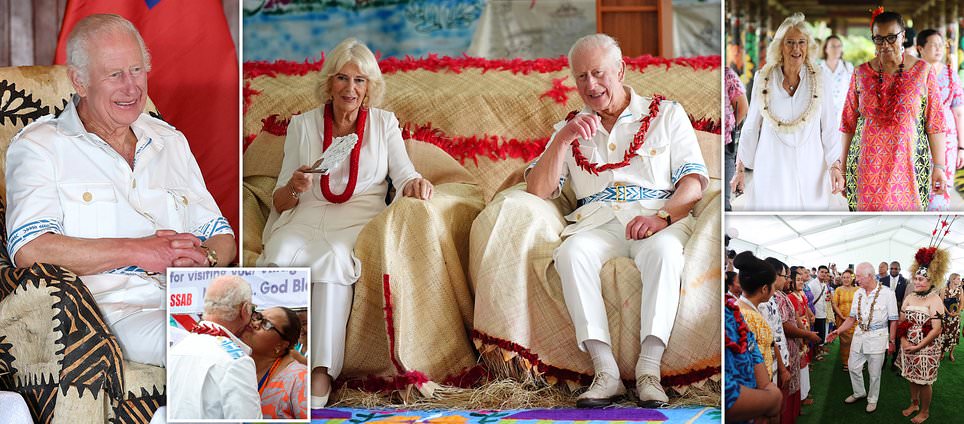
316,218
790,136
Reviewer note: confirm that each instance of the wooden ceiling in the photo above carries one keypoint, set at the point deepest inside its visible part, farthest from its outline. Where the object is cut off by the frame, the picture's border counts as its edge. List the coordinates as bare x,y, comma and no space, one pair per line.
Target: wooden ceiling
856,12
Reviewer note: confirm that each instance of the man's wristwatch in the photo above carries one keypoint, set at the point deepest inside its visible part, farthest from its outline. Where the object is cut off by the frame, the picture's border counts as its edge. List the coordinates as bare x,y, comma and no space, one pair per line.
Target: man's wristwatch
212,256
666,216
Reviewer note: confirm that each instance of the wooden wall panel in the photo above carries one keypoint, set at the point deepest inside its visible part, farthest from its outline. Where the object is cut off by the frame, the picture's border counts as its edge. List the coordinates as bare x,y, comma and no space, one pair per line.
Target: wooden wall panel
29,29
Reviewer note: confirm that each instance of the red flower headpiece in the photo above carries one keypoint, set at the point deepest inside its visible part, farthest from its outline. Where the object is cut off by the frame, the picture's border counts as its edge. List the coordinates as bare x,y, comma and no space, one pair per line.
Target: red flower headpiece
874,13
924,256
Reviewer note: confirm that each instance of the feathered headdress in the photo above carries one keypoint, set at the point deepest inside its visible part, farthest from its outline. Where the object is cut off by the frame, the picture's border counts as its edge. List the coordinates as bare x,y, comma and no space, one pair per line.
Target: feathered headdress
874,13
932,261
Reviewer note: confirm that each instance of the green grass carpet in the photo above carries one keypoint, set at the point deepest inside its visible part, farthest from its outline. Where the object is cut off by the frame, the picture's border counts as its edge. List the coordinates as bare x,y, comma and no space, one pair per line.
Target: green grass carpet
830,386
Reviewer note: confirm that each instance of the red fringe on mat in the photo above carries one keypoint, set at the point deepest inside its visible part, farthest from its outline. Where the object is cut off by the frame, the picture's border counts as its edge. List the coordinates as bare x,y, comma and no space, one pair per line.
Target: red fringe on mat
559,91
705,124
274,125
436,63
491,146
390,327
466,379
564,374
248,94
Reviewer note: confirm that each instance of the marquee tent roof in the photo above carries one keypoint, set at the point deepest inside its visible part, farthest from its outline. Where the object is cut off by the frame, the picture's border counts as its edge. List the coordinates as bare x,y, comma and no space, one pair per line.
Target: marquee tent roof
844,240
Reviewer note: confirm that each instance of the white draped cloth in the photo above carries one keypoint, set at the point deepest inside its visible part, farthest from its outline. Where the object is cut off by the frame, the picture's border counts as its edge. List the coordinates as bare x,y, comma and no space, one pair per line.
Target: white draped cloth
791,170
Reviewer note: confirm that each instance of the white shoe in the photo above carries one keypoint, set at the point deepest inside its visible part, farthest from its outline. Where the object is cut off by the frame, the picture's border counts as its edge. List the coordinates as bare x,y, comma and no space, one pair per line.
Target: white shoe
852,399
871,407
650,392
319,402
602,392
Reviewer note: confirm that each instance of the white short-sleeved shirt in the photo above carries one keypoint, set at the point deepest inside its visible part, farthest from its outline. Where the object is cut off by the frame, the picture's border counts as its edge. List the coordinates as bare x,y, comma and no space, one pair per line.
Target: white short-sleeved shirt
874,340
62,179
819,301
212,377
670,151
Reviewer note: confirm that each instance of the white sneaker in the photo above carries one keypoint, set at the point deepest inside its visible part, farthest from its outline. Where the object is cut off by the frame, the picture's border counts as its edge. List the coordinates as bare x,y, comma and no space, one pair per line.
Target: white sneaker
319,402
871,407
602,392
650,392
853,399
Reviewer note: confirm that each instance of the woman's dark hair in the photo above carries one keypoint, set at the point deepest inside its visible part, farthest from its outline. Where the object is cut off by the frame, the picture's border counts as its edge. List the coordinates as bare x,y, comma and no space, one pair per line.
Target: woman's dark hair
823,51
777,264
730,278
755,273
888,17
292,332
909,34
924,35
792,281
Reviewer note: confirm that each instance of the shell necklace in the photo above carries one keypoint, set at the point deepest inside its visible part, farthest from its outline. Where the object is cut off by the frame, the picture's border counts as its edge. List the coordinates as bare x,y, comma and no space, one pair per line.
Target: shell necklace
791,126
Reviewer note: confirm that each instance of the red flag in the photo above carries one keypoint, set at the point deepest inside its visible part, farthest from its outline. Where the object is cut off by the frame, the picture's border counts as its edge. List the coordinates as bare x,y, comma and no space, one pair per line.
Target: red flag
193,80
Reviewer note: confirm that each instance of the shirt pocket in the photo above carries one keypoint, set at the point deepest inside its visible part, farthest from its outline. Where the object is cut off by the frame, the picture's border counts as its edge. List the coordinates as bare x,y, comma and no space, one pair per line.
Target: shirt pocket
90,209
657,165
180,205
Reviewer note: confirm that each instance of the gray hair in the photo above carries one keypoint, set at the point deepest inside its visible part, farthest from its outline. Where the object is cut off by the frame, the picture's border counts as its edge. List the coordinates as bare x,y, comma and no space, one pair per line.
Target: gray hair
353,51
597,41
236,291
798,21
864,268
78,43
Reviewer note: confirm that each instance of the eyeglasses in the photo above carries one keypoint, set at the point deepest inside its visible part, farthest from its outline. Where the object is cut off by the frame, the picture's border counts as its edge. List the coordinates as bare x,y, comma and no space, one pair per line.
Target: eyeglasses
261,322
783,275
890,39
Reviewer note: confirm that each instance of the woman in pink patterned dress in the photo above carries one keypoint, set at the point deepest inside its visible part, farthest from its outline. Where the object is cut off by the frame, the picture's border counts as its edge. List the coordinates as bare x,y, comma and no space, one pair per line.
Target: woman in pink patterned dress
932,49
919,330
893,128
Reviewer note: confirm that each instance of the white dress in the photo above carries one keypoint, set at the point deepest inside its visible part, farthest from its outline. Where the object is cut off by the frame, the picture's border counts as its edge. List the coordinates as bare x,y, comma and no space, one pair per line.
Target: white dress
839,80
319,234
791,170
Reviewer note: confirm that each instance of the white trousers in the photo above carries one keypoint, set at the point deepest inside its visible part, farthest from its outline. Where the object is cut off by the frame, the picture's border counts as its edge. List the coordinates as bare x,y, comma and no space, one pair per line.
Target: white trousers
133,307
330,308
659,258
875,362
804,382
14,409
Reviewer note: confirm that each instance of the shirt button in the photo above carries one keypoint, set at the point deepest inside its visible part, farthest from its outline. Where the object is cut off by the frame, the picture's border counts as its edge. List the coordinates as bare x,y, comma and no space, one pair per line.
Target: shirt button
88,197
133,183
184,199
578,216
652,152
616,207
612,147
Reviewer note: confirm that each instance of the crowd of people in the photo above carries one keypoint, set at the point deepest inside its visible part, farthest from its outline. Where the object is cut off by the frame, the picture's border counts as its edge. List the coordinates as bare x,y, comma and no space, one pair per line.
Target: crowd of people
882,134
781,318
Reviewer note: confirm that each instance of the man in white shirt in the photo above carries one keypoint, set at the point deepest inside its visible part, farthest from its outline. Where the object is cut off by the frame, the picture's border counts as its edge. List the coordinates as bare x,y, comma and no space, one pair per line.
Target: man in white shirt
635,188
111,193
211,375
820,289
874,312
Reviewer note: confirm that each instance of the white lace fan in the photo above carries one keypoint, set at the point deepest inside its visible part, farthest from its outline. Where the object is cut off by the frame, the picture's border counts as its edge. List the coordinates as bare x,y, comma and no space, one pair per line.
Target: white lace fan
336,153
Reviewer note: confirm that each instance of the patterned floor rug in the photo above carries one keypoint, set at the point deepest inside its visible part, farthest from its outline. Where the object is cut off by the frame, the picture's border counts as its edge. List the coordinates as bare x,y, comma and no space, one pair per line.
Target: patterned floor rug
525,416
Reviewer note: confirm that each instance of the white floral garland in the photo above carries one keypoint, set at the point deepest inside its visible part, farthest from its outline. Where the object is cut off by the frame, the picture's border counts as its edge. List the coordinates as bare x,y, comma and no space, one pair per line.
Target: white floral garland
815,85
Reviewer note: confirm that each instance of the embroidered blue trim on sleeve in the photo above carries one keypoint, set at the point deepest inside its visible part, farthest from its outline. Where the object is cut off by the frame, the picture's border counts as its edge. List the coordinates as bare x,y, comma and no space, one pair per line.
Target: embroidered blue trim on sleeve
129,270
689,168
212,228
30,231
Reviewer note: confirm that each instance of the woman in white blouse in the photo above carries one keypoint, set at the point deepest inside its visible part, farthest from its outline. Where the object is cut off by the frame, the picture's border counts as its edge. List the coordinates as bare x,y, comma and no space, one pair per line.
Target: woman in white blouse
790,136
316,218
838,72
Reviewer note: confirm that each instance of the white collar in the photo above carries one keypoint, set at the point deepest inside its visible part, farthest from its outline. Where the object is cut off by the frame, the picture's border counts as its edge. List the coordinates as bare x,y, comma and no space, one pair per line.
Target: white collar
69,124
750,304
